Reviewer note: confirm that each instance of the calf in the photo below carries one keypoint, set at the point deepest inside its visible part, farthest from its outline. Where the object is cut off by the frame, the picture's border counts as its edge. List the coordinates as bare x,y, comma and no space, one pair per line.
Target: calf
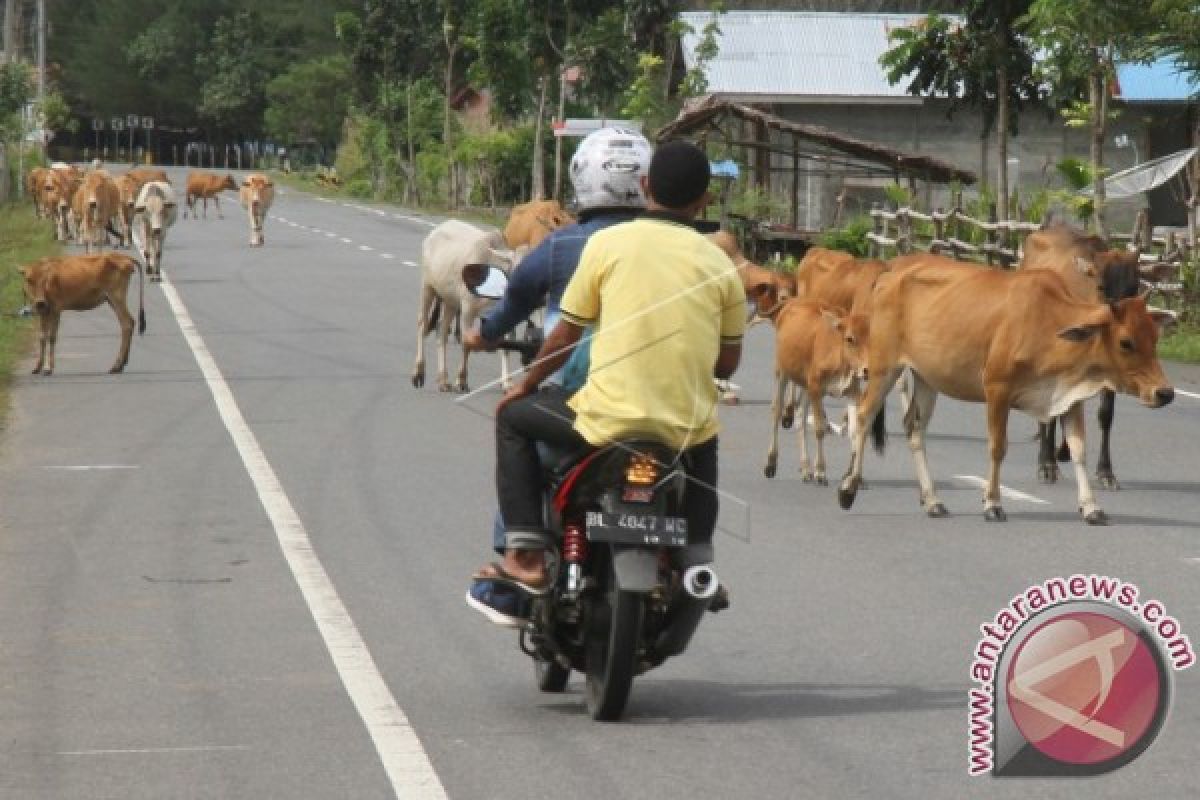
97,201
154,213
1009,340
256,195
529,223
823,351
448,248
206,186
80,283
1091,271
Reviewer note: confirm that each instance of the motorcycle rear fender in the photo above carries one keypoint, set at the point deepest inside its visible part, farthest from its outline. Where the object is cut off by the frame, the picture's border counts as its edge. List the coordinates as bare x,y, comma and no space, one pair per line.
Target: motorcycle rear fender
636,569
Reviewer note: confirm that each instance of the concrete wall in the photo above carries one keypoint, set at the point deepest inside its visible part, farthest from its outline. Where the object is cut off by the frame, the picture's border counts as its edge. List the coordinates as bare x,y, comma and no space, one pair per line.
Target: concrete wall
925,129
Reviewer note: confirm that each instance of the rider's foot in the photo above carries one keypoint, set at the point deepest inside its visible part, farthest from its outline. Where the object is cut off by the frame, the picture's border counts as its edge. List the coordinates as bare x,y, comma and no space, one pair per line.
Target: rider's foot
720,600
524,568
500,603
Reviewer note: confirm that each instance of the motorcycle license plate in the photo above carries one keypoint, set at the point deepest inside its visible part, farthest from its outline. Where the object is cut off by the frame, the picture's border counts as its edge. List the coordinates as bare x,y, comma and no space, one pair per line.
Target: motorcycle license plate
643,529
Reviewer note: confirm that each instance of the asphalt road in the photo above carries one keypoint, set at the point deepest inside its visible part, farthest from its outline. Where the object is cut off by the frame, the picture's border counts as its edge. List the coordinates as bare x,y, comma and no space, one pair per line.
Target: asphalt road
179,625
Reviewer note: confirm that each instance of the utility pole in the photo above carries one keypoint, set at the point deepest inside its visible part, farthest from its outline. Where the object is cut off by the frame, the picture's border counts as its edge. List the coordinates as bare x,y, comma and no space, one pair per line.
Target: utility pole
41,51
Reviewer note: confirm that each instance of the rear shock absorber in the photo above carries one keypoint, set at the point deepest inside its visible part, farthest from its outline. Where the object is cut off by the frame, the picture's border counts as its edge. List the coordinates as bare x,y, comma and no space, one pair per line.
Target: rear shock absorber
575,552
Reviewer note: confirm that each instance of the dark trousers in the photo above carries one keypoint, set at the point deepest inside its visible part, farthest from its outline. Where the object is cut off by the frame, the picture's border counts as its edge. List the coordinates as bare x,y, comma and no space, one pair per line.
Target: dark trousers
546,417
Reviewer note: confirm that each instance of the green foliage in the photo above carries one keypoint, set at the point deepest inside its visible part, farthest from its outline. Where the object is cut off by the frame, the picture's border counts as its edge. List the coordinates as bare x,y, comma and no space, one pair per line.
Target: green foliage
898,196
25,239
851,238
16,91
643,100
606,52
749,200
307,101
695,82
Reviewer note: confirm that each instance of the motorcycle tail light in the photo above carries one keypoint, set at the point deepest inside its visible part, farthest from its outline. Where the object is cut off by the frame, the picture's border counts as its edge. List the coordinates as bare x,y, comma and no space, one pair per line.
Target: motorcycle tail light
642,470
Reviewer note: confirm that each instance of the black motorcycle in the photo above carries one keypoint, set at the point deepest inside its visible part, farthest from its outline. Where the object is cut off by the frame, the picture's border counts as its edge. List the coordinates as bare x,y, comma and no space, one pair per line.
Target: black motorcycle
620,603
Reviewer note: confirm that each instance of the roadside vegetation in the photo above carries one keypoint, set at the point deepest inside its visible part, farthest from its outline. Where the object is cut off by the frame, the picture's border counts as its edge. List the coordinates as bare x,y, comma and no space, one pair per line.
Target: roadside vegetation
24,239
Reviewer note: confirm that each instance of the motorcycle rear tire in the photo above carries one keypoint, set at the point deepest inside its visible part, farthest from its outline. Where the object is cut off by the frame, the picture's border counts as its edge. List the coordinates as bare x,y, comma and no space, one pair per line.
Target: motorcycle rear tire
550,675
612,648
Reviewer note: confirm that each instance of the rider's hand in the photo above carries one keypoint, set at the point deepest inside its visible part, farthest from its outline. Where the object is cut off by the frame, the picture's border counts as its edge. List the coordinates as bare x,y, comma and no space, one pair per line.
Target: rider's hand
474,341
519,390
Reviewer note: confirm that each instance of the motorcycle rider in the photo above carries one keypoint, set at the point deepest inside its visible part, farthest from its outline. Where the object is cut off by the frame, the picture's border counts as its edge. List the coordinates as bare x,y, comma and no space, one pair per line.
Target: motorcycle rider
667,308
605,173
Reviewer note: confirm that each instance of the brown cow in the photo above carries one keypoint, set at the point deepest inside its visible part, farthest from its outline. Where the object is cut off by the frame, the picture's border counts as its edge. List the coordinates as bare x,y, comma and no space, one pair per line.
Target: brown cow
823,351
144,175
838,279
1007,339
80,283
530,223
96,202
34,181
256,195
205,186
1092,271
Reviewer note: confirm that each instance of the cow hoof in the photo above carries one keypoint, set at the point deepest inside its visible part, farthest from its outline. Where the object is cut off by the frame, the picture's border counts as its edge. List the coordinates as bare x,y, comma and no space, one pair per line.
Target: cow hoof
115,370
1097,517
444,387
1107,480
995,514
846,497
1048,473
418,381
787,419
461,387
47,372
769,470
937,510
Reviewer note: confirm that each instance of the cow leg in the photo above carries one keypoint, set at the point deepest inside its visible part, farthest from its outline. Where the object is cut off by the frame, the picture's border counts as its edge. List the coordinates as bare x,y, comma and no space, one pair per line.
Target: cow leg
43,340
1047,463
801,422
816,398
916,422
997,414
116,299
1104,469
879,384
1074,427
789,408
781,385
50,322
443,340
217,205
424,309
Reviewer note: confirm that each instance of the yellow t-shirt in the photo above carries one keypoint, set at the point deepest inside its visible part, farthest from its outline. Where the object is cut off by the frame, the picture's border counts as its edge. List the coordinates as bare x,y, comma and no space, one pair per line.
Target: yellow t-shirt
661,299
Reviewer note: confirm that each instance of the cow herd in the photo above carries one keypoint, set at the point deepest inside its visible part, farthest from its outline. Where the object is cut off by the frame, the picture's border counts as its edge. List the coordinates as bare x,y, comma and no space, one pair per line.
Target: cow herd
96,210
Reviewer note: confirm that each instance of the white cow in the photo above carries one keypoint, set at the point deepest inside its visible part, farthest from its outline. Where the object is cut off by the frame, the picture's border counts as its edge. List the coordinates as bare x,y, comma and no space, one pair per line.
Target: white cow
446,250
153,213
256,195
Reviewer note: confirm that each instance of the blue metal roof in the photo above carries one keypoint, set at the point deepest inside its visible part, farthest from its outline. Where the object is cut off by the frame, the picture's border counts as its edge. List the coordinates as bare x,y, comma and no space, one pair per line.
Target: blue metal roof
1160,82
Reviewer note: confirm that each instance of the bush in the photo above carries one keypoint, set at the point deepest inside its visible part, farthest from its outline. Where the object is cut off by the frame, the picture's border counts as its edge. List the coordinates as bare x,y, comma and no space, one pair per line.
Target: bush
360,188
852,238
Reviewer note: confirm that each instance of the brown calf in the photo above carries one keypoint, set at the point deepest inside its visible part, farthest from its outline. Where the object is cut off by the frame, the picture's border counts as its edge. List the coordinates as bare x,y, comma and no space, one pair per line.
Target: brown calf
80,283
206,186
96,202
1010,340
530,223
256,196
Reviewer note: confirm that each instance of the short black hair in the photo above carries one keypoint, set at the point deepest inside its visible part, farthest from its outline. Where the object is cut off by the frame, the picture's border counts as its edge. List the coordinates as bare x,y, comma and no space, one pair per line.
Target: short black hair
678,174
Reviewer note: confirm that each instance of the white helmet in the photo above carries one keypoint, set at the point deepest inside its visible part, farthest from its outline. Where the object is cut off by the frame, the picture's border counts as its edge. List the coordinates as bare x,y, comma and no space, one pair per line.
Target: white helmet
607,166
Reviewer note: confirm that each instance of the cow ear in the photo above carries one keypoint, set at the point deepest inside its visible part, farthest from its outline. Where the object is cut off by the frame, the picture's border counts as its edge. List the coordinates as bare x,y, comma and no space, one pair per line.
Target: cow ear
1089,326
1164,318
1085,266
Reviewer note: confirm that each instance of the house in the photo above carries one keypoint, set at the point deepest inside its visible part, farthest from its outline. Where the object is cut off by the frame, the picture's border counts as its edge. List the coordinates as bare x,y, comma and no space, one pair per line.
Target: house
822,68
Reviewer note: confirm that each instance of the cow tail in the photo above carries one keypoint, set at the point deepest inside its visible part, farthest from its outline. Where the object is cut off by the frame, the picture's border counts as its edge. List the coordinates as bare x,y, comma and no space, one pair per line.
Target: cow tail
141,297
879,431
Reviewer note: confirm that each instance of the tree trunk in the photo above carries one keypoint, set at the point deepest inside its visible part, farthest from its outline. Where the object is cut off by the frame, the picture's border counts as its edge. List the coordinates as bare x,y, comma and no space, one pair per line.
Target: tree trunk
12,22
4,187
1002,139
411,189
558,140
538,190
451,37
1099,101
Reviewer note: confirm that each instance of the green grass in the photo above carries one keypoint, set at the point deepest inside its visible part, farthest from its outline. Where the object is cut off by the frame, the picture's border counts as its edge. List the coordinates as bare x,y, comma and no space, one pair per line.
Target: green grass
1182,345
23,238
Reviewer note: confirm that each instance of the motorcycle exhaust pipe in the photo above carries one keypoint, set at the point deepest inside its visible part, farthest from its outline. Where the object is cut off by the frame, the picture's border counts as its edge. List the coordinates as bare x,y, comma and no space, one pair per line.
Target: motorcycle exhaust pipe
699,585
700,581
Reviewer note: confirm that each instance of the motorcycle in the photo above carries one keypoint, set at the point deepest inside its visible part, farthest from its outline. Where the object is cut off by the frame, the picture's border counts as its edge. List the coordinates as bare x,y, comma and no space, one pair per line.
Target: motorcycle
621,602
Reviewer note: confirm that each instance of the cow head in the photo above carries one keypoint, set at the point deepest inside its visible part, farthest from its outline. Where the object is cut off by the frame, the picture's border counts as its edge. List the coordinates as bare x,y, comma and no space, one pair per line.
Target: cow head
855,330
37,279
1124,338
768,296
228,183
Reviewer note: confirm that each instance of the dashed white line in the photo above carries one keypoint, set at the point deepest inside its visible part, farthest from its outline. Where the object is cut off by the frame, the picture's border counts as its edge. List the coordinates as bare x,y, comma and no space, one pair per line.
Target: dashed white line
331,235
404,759
365,248
347,241
410,263
386,255
1012,494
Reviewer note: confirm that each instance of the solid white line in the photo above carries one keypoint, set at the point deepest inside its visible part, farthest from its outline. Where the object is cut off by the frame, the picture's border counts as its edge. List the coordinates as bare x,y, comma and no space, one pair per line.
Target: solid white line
80,467
198,749
404,759
1188,394
1012,494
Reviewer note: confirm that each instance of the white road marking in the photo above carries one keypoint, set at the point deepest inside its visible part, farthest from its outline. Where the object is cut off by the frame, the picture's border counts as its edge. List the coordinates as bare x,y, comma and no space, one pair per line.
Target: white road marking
347,241
83,467
410,263
386,255
1188,394
331,235
1011,494
198,749
404,759
366,248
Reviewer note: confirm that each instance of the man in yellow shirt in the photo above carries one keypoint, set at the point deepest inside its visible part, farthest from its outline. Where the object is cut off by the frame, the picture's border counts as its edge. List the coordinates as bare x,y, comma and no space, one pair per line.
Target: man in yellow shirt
668,313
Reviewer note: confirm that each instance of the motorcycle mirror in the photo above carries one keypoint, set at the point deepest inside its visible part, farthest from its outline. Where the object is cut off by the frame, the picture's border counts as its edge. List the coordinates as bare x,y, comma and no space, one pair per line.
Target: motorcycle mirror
484,280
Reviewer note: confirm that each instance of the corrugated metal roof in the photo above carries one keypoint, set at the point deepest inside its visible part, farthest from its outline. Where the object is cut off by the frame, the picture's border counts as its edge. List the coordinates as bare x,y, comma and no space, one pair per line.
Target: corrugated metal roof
1161,82
807,53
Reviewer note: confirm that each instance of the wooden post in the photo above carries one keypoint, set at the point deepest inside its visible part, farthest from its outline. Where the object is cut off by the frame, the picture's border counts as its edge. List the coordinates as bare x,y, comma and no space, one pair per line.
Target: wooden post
939,231
875,250
990,253
904,243
795,183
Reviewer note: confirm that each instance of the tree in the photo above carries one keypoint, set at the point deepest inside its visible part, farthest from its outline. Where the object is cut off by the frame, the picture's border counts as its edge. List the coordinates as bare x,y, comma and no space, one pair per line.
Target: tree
16,91
987,63
1084,40
307,101
232,96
